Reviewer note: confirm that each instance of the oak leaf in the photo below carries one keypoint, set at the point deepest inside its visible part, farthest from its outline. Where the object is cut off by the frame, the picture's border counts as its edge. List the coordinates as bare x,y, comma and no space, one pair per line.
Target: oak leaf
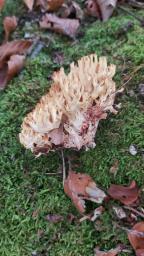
136,238
101,9
80,187
67,27
126,195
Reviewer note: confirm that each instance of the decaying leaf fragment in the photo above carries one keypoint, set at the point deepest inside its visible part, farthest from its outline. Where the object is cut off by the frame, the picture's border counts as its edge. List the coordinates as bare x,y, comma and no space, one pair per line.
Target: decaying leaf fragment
120,213
67,27
10,24
71,9
126,195
100,8
80,187
45,5
13,47
12,56
69,114
112,252
136,238
50,5
29,4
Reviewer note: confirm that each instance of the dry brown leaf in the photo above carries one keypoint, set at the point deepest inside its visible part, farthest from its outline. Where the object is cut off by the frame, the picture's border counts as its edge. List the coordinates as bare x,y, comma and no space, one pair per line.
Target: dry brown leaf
93,9
107,8
71,9
50,5
2,3
10,24
12,48
29,4
112,252
126,195
100,8
67,27
80,187
12,68
15,65
137,238
12,60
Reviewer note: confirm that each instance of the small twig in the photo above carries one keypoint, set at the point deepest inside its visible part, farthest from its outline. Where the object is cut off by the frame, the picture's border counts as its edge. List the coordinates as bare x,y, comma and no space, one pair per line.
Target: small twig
63,166
53,173
136,3
132,14
133,232
132,75
86,217
134,211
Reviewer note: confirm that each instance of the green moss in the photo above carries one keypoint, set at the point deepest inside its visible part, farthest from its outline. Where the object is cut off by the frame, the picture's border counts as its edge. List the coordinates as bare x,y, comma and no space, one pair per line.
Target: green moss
25,183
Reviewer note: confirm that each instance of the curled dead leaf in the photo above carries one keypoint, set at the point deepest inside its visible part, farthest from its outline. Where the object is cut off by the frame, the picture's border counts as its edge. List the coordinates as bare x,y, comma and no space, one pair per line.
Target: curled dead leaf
10,69
10,24
93,9
12,48
12,60
15,65
101,9
2,3
126,195
137,238
80,187
29,4
71,10
112,252
97,213
50,5
67,27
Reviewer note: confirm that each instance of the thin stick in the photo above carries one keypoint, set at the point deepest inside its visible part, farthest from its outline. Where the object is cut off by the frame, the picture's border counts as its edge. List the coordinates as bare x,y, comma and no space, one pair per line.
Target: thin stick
132,14
63,166
53,173
134,210
132,74
136,3
131,231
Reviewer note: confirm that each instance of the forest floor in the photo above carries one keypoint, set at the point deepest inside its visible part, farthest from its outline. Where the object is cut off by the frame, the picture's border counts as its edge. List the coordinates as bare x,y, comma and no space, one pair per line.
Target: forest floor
30,187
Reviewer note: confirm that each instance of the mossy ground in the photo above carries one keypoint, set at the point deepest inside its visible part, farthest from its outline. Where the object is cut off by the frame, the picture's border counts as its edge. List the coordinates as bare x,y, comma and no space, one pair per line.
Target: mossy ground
25,184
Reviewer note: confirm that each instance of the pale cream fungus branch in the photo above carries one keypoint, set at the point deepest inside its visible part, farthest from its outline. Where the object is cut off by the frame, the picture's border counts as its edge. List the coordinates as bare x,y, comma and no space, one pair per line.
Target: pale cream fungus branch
68,115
